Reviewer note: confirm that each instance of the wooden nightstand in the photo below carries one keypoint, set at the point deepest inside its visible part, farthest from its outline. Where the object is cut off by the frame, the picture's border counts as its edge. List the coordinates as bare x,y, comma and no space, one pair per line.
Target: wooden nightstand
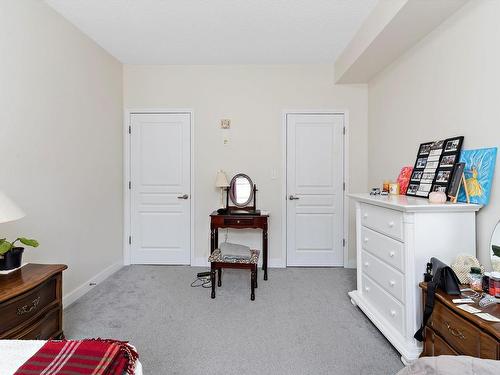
452,331
31,302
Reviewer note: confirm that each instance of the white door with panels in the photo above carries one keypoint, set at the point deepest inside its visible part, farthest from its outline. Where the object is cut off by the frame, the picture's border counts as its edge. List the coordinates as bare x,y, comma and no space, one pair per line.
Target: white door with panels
314,152
160,162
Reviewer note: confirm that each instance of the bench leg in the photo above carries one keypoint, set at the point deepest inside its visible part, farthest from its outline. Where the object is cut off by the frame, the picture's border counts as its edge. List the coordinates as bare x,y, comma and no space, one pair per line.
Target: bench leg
256,276
212,280
252,283
219,279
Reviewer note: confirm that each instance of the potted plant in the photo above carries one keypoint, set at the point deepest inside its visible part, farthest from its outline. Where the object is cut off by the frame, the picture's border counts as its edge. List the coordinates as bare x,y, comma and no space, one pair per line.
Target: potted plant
11,255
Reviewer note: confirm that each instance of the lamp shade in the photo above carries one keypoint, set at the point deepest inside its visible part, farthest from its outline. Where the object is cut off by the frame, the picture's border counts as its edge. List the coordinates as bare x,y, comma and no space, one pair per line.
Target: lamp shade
9,211
221,180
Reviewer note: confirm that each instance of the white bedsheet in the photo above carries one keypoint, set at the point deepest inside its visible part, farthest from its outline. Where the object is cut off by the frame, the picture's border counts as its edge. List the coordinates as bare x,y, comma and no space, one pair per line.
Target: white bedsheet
13,354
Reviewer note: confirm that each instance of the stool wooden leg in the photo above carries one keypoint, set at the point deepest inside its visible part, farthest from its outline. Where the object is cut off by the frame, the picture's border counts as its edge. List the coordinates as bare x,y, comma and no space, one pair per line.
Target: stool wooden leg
252,283
256,276
212,280
219,279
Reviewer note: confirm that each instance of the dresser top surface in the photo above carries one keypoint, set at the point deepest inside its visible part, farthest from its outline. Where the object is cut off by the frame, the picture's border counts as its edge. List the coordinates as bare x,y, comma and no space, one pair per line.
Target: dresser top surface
26,278
413,204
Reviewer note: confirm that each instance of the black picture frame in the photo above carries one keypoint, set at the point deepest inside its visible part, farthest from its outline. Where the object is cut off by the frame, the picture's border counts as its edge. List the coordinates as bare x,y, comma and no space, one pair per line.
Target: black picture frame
434,165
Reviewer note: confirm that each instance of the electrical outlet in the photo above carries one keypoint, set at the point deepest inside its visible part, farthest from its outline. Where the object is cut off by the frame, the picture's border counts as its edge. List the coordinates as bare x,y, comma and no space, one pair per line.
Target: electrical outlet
225,124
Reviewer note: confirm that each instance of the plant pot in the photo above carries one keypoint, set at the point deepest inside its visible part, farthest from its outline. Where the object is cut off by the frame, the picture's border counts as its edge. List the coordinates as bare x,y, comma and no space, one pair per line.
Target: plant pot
12,259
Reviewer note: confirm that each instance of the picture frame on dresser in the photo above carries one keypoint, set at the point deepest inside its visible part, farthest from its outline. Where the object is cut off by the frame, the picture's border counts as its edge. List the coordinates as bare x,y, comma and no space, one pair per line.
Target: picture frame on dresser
434,166
393,247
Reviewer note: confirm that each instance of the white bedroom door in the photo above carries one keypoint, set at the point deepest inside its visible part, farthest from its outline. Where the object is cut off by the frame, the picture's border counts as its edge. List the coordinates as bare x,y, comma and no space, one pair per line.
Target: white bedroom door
160,188
314,189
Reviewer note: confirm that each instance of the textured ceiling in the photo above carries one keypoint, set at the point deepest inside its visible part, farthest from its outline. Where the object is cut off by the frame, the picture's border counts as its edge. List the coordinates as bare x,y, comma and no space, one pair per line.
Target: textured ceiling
218,31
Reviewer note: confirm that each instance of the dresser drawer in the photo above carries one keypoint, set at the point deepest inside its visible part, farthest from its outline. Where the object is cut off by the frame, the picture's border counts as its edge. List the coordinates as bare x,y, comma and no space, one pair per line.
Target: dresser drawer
387,249
383,220
45,328
459,333
16,311
388,307
386,276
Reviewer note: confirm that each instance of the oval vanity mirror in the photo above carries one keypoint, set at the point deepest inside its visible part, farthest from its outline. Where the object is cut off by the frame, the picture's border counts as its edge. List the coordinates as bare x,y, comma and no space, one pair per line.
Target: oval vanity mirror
241,190
495,248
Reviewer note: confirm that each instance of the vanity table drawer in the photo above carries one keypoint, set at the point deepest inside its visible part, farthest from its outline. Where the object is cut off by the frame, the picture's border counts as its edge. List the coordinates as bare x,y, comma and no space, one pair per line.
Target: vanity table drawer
387,249
18,310
386,276
239,222
383,220
385,305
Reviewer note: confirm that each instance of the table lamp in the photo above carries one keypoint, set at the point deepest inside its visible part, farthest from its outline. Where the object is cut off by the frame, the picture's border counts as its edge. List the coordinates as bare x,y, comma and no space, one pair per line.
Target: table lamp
9,211
221,182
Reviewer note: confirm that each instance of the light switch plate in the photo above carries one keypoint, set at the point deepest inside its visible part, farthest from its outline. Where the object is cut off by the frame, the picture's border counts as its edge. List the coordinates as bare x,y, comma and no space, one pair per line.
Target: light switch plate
225,124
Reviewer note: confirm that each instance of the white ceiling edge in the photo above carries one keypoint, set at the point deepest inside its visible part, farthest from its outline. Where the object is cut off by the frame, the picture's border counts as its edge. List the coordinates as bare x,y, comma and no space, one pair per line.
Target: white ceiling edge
389,31
213,32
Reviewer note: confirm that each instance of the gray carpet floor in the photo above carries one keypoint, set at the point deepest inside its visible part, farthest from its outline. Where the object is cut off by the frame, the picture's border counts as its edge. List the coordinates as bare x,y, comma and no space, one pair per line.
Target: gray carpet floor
301,322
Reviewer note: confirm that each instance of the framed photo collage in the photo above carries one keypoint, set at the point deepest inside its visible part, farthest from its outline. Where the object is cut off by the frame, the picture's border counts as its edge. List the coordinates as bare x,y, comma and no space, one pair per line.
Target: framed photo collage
433,170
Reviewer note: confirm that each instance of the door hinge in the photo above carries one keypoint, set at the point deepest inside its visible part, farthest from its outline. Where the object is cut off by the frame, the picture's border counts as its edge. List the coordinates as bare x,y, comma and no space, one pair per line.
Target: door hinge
129,129
343,186
343,131
130,240
130,185
343,242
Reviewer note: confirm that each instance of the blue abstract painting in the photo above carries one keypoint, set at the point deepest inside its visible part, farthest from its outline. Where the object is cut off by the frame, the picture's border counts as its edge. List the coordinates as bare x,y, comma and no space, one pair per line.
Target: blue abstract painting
479,169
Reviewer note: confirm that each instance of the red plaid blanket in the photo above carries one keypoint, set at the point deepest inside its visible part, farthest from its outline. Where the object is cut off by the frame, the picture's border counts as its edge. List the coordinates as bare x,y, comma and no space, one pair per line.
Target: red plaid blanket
83,357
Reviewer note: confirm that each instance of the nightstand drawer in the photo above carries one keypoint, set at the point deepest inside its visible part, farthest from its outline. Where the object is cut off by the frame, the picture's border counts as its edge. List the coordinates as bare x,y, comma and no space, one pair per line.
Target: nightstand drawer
386,248
45,328
239,222
383,220
457,332
16,311
386,276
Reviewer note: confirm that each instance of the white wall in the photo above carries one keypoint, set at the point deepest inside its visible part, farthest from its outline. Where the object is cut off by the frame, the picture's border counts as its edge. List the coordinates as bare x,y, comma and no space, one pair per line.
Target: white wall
61,140
253,97
448,84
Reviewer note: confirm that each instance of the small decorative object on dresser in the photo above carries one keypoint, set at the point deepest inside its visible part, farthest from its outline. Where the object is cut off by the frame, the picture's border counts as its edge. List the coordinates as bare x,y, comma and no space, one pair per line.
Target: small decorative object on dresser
453,331
31,302
395,238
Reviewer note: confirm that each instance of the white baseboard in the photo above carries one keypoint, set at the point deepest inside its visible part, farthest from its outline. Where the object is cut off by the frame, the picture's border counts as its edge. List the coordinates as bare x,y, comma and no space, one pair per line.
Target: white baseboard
72,296
351,263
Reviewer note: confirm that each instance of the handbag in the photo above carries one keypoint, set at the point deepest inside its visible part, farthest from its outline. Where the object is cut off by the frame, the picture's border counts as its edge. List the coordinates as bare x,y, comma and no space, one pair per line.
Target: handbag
438,275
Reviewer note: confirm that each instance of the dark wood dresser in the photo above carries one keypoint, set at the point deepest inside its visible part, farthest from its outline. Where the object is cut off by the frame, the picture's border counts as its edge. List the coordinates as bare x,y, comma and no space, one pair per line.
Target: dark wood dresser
31,302
452,331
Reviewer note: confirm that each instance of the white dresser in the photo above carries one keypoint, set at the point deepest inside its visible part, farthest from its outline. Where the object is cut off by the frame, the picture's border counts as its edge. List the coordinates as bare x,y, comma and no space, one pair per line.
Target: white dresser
395,238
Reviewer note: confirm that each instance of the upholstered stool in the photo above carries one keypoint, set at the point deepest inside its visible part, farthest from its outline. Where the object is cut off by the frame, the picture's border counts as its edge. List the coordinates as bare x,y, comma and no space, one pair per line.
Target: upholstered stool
217,263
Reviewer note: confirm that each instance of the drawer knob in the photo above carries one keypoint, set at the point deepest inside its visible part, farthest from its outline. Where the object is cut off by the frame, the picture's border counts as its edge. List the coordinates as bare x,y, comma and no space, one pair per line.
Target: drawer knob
391,224
367,288
391,254
392,283
237,221
366,239
393,313
367,264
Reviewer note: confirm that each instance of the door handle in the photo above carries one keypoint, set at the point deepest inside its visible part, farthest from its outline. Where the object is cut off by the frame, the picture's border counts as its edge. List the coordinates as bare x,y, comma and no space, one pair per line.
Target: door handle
292,198
185,196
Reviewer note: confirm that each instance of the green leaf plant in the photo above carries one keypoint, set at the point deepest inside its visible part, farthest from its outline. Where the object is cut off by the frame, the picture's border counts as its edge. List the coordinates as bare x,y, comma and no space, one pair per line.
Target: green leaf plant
6,246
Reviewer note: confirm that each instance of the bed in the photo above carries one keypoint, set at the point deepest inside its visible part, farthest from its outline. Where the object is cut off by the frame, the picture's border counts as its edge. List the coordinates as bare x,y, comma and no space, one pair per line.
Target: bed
15,352
451,365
